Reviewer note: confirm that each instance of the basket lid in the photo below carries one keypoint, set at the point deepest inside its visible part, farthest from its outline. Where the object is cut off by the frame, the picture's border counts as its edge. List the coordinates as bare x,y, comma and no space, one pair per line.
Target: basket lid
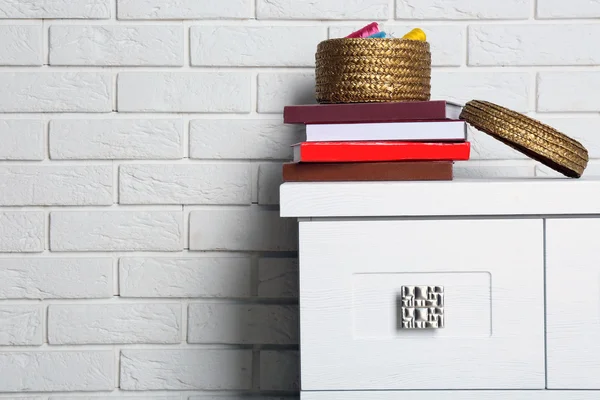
528,136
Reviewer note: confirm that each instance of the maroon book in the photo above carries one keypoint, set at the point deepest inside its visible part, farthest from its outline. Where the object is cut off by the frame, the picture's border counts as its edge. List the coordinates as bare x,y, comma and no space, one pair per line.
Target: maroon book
368,171
370,112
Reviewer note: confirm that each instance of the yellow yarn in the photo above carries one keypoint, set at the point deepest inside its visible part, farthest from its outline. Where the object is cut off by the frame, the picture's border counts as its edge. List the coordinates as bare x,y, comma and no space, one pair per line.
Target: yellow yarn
416,34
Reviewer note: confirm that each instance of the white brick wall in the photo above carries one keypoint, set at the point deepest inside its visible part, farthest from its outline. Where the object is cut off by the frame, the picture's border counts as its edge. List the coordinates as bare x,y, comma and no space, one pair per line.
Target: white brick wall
141,251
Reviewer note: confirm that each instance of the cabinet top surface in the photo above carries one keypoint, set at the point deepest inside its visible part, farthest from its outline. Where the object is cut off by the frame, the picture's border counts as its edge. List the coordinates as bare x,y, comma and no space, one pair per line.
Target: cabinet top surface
460,197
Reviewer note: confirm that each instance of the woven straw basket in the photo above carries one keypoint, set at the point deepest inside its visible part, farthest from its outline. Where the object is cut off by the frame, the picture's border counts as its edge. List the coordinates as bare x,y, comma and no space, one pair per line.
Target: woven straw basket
372,70
529,136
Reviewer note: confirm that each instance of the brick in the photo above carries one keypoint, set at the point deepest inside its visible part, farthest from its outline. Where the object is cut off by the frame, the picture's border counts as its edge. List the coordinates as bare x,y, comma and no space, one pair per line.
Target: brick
462,9
55,278
278,277
584,129
55,92
244,229
129,45
279,370
175,397
323,9
22,139
446,41
185,277
185,184
187,369
184,9
53,371
277,90
509,89
242,324
21,398
116,231
243,139
22,231
494,169
21,44
225,92
56,185
272,46
54,9
485,147
532,45
568,91
116,139
557,9
118,323
269,179
21,325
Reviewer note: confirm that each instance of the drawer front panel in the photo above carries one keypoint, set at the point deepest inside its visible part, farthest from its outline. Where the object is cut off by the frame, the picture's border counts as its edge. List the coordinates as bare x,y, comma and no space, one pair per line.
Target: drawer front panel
573,303
455,395
352,304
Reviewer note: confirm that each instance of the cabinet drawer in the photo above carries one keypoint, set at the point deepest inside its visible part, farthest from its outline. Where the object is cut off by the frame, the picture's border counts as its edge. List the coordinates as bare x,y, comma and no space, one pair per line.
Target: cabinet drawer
573,303
351,279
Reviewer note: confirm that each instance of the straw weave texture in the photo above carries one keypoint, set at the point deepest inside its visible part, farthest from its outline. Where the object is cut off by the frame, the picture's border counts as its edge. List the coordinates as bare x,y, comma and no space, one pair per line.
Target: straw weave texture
372,70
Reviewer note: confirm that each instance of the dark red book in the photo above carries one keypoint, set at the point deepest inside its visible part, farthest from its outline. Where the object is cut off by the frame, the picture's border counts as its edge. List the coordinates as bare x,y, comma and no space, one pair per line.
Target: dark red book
368,171
380,151
370,112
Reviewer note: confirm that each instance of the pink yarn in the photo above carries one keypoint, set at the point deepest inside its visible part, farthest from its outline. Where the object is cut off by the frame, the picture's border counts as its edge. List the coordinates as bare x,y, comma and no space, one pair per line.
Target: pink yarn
368,30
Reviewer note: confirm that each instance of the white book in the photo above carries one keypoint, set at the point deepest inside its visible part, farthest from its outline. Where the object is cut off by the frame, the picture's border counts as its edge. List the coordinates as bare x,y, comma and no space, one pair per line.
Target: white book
406,131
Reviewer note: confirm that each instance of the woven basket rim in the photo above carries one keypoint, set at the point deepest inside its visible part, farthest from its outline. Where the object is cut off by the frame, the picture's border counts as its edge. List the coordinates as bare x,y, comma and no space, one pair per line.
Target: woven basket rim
528,136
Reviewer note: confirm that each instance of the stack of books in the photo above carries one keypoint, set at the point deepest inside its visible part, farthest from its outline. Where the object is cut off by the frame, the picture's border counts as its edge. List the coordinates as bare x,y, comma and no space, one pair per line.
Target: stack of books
377,141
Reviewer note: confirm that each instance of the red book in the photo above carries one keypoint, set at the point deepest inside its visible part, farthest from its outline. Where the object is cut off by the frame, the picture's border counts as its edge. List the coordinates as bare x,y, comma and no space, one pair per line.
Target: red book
370,112
380,151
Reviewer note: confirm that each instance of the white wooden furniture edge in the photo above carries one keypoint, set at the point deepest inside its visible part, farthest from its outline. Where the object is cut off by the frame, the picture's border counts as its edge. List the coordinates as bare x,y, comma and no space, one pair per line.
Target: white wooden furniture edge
456,395
527,196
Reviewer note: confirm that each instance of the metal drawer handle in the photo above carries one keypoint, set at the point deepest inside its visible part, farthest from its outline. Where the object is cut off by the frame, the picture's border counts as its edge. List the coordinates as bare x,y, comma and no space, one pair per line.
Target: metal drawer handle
422,307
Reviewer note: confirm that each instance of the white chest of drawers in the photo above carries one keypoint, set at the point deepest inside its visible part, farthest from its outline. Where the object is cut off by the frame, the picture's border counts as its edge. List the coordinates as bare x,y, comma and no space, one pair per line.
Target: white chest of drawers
519,265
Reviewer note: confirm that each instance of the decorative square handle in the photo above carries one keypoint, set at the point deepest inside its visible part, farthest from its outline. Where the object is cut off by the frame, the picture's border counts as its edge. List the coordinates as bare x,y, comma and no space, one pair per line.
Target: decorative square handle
422,307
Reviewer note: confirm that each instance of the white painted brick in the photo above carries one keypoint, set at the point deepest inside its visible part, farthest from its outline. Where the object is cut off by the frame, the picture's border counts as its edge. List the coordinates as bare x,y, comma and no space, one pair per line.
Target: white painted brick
185,277
21,398
114,323
277,90
242,229
272,46
279,370
99,9
278,277
509,89
185,184
584,129
485,147
462,9
568,91
243,139
242,324
55,278
22,231
323,9
533,44
56,185
270,177
129,45
116,230
558,9
184,91
55,92
186,369
21,45
21,139
184,9
494,169
52,371
446,41
21,325
175,397
116,139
